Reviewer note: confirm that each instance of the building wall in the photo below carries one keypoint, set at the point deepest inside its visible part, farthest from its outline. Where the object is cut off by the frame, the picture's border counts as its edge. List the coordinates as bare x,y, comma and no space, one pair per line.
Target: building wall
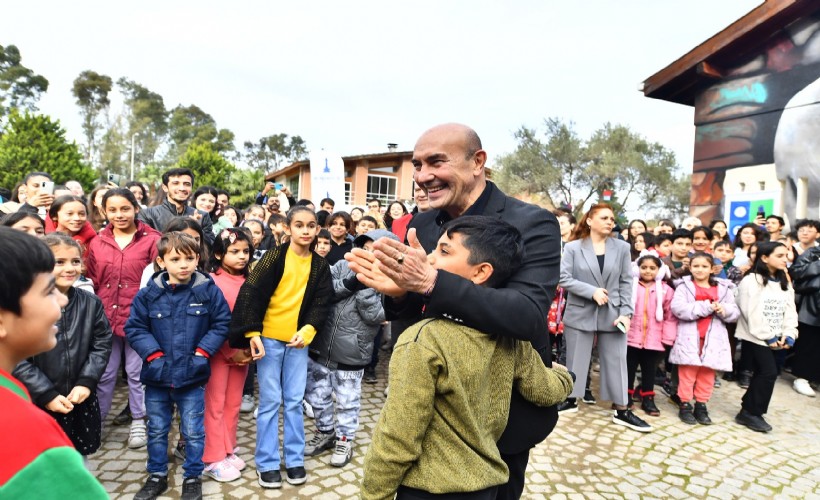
765,112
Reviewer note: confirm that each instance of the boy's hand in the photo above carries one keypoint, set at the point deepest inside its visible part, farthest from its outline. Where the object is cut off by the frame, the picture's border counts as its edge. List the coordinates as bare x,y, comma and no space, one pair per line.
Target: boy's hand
685,263
79,394
257,349
60,405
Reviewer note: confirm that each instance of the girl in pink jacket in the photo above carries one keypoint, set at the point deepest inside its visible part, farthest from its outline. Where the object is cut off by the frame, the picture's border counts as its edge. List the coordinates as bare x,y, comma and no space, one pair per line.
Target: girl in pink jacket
703,306
652,327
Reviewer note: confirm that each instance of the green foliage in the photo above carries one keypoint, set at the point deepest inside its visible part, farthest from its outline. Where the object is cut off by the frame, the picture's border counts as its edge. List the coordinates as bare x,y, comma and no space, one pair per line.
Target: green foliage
36,143
190,125
244,185
562,168
145,118
271,152
91,91
20,87
208,166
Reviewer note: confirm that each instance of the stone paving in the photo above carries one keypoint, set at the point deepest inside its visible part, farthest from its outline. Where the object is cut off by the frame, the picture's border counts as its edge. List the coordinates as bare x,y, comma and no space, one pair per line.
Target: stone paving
585,457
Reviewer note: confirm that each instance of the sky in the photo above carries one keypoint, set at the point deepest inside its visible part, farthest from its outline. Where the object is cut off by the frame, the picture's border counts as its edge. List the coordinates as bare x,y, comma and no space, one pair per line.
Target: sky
350,77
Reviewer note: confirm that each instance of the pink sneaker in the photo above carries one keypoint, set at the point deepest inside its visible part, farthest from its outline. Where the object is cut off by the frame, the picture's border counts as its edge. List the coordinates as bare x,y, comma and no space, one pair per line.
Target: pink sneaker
222,471
236,462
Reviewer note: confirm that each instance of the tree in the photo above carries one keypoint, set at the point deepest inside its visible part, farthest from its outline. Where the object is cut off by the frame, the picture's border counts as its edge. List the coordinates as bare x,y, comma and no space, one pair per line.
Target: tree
145,119
36,143
208,166
91,91
244,185
190,125
563,168
272,151
20,87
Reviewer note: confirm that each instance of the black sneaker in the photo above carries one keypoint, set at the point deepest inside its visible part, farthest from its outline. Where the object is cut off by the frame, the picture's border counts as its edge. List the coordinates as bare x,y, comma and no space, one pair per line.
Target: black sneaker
369,376
667,387
702,414
648,405
296,475
569,405
686,415
124,417
270,479
588,397
753,422
155,486
191,488
629,419
729,376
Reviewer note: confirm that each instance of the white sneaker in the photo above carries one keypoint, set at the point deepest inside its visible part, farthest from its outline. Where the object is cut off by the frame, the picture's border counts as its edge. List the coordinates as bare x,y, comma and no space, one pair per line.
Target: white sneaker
222,471
343,452
386,390
138,435
247,404
307,409
256,412
802,386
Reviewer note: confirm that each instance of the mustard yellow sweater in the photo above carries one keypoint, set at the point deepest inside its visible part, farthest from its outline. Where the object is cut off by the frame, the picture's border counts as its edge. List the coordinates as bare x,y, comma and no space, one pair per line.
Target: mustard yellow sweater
449,401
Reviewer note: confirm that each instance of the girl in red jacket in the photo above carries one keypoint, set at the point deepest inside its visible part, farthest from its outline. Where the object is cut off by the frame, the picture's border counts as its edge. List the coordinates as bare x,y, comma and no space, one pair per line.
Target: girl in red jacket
116,259
652,327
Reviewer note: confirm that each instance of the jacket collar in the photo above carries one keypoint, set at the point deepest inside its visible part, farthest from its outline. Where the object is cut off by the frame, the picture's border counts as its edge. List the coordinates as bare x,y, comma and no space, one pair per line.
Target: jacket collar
588,251
491,202
156,285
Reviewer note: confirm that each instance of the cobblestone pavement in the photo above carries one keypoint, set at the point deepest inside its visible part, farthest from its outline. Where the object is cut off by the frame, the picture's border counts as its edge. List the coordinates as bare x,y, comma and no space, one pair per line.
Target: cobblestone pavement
585,457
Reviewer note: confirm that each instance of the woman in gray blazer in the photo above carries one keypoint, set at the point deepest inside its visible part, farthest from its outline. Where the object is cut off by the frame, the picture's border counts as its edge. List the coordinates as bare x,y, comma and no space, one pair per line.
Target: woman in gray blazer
596,273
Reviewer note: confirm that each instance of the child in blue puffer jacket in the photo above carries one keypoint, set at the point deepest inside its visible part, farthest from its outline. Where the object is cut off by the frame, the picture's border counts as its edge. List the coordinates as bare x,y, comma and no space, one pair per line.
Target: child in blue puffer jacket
177,322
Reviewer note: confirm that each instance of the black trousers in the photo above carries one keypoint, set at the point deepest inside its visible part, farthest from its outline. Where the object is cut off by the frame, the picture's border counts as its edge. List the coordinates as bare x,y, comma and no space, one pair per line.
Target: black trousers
805,363
517,463
761,362
405,493
648,361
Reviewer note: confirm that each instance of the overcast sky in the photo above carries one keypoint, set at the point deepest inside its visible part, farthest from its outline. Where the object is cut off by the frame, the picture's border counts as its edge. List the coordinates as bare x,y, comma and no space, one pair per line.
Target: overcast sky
352,76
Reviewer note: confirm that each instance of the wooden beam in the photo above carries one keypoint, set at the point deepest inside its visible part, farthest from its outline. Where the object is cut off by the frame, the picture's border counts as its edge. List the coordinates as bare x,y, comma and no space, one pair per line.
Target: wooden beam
706,69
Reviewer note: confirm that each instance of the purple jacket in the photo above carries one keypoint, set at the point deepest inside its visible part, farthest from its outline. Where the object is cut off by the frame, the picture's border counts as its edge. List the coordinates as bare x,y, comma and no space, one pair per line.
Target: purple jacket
717,353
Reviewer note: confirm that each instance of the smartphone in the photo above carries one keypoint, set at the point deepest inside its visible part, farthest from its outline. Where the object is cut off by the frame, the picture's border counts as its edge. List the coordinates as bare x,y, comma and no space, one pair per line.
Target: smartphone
761,212
278,185
47,187
620,326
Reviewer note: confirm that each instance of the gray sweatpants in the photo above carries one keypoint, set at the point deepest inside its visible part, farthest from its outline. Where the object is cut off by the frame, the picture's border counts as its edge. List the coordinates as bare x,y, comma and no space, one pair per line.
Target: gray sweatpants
322,384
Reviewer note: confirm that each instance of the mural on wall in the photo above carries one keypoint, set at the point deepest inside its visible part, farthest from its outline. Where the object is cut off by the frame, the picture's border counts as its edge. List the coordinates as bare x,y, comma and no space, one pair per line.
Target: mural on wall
761,113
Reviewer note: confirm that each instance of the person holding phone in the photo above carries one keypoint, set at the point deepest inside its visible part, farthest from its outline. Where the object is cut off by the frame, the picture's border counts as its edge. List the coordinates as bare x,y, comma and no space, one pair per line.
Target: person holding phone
39,193
596,274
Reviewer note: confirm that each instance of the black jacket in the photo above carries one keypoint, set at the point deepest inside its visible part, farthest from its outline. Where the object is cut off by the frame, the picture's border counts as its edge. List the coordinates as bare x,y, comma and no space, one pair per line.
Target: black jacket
805,273
81,354
518,310
158,217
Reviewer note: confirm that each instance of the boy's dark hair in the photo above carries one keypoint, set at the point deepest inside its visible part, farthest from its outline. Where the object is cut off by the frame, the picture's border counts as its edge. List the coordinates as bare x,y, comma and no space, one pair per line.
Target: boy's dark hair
303,202
660,238
223,241
807,223
56,239
324,233
184,244
563,213
36,174
181,223
681,234
13,218
223,191
275,219
371,200
321,217
765,249
23,257
122,192
792,235
705,230
489,240
341,215
176,172
780,220
721,243
327,200
369,218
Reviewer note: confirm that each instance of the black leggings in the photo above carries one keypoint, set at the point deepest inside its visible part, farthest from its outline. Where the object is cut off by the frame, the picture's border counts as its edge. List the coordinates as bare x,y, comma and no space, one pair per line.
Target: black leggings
648,360
761,362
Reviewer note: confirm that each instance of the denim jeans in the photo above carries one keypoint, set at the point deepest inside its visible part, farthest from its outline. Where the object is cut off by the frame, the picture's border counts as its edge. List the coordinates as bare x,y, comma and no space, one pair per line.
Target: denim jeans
190,402
282,375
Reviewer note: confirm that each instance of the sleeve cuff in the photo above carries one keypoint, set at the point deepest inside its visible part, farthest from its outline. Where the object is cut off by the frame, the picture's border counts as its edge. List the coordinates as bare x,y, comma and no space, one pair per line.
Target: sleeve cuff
308,333
202,352
249,335
154,356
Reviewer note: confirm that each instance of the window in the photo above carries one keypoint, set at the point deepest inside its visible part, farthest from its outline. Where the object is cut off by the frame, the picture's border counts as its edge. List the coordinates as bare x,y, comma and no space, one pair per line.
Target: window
348,193
381,187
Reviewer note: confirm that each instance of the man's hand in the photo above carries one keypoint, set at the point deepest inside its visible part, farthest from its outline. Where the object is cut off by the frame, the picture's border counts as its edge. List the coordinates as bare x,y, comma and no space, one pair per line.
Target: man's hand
268,187
368,272
79,394
60,404
41,200
406,265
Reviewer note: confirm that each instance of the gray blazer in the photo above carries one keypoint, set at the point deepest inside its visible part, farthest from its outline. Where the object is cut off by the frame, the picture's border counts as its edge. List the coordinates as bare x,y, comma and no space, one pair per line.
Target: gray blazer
581,276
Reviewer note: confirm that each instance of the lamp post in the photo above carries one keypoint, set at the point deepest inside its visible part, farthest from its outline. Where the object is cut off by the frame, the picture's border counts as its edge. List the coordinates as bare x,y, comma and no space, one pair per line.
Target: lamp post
133,136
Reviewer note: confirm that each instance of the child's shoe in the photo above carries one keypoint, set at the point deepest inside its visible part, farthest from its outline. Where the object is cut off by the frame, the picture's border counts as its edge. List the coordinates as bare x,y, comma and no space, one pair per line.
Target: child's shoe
588,397
648,404
191,488
296,475
803,387
155,486
138,435
237,462
343,453
702,414
320,442
569,405
686,415
247,404
222,471
630,420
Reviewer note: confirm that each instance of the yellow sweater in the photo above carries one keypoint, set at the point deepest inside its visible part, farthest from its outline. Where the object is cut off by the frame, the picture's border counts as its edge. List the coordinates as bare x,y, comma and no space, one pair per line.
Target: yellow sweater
449,401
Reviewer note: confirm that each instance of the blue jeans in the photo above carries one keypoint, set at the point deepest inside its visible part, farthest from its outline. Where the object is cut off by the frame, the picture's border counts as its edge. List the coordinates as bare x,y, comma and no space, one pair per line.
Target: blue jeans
282,375
159,404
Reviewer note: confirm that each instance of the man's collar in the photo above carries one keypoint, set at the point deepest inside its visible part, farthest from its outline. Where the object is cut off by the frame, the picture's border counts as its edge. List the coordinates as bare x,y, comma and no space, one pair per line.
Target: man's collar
476,208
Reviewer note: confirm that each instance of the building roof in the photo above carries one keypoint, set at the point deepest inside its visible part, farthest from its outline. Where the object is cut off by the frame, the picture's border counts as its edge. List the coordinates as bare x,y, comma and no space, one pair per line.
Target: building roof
683,79
373,157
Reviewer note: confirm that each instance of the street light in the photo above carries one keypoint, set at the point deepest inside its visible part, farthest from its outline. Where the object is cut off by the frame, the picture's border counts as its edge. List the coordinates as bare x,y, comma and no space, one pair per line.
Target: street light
132,156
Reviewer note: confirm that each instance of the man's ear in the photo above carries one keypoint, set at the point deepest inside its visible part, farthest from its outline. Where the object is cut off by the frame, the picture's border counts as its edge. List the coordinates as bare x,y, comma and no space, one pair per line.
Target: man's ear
481,273
165,188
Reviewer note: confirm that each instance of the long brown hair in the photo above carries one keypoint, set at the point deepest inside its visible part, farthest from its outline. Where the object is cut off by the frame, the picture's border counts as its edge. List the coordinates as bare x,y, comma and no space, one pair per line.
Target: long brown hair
581,230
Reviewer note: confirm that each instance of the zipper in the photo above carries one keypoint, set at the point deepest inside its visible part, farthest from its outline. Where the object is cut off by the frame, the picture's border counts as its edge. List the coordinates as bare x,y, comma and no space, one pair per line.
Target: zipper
335,329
